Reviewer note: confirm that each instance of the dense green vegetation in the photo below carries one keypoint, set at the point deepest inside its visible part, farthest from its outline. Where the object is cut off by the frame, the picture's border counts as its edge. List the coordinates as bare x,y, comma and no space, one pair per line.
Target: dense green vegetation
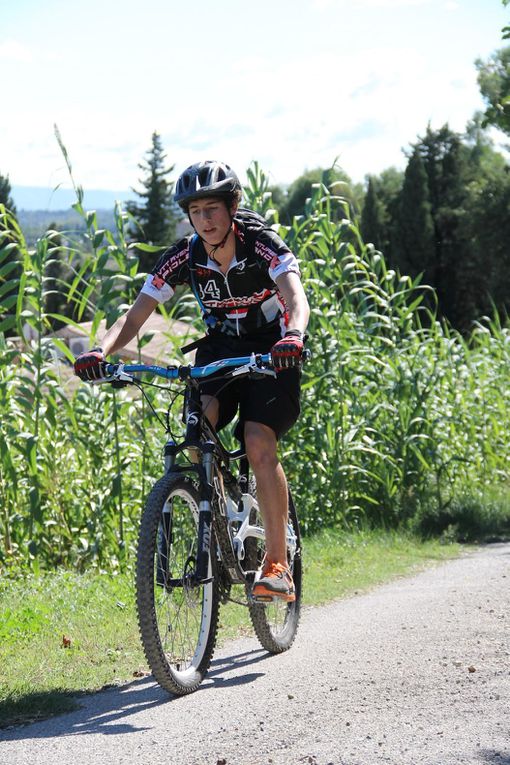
406,400
405,422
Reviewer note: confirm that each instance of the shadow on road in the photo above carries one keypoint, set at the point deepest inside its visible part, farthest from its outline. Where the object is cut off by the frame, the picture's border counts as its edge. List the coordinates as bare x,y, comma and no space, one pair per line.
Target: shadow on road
495,757
221,667
108,711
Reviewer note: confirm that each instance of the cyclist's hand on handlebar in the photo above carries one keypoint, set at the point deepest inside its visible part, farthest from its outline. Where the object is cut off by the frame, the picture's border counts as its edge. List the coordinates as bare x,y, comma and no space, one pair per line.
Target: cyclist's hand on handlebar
288,351
91,366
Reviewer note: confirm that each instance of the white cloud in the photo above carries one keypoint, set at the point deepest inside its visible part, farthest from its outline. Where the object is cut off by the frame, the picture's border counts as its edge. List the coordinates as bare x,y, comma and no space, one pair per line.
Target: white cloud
290,107
389,4
363,108
12,50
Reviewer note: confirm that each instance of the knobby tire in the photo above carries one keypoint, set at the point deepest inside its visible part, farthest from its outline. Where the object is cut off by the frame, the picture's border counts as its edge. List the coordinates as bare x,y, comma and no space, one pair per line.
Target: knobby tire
178,622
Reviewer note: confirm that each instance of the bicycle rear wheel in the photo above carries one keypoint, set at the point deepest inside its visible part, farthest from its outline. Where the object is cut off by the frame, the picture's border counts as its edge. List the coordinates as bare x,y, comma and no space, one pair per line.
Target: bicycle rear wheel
276,623
178,618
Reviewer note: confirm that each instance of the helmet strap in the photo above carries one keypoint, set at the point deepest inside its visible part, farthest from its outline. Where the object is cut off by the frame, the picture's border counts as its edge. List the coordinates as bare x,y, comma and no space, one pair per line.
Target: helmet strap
220,245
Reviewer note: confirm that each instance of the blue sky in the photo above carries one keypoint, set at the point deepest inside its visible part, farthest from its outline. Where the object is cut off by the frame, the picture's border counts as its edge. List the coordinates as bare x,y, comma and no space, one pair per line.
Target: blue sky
293,84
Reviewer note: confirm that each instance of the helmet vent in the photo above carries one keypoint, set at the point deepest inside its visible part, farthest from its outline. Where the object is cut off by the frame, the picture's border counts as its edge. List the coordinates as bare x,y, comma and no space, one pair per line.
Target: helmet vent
204,179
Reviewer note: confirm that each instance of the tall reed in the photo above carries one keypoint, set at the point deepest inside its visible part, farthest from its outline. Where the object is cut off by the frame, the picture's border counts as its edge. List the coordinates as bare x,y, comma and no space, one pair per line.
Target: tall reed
404,423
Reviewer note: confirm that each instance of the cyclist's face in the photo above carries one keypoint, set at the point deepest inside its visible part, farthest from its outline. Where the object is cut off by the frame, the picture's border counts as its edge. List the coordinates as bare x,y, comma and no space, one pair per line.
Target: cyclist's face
210,218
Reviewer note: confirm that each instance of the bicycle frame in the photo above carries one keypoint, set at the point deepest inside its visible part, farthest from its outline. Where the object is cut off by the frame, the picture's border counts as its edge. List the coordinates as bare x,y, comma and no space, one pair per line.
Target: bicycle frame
212,466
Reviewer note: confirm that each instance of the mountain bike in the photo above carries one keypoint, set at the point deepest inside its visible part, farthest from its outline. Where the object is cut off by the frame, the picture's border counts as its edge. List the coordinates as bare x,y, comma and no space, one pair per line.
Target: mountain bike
201,533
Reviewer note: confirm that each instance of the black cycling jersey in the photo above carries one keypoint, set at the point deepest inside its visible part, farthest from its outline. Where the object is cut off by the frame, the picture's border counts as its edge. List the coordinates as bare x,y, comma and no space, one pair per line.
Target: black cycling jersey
246,299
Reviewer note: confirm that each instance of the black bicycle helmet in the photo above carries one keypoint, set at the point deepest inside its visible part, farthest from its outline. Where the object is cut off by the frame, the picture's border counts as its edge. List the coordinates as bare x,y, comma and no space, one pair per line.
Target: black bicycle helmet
206,179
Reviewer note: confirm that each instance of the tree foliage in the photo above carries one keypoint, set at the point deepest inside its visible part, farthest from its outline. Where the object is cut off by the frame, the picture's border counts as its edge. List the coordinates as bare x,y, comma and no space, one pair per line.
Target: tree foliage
155,215
494,83
436,224
5,194
414,226
380,207
300,190
374,216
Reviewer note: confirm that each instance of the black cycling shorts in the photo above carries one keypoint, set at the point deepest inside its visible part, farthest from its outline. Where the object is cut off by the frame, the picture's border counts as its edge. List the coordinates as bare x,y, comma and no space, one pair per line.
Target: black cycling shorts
272,401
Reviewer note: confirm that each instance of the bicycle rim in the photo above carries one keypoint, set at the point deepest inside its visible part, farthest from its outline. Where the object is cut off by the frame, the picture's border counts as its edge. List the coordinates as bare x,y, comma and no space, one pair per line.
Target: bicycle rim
178,619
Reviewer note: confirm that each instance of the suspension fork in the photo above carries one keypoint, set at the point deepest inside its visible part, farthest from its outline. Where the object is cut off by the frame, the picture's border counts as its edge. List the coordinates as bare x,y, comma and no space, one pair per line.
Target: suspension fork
205,513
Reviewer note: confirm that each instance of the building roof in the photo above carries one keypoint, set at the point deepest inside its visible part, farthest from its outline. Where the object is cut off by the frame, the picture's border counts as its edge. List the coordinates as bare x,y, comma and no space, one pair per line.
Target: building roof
155,343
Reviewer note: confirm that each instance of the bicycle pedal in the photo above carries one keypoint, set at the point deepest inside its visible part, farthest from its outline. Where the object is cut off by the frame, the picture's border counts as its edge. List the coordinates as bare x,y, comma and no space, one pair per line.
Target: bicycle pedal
263,598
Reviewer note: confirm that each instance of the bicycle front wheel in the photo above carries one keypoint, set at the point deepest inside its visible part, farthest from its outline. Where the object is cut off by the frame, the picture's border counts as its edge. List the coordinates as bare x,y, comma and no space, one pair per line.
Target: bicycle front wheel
178,617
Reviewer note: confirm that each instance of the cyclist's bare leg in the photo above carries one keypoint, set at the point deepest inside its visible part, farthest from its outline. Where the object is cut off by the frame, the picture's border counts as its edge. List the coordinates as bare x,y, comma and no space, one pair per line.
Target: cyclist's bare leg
211,408
261,449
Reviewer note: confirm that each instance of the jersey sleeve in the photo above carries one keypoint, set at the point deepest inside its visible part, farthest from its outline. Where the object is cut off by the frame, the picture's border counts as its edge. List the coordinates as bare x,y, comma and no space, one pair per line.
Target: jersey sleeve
273,249
171,269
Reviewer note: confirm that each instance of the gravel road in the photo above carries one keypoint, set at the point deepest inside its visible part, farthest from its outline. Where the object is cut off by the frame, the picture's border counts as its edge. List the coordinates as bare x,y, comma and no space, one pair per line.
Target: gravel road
416,671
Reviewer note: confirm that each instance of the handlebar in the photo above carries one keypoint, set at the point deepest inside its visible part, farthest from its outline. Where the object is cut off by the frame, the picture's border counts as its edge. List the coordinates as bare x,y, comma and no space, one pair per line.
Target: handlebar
256,363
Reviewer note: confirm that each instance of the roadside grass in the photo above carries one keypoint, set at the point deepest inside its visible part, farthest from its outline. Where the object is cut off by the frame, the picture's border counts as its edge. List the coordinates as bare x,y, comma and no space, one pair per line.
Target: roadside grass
63,634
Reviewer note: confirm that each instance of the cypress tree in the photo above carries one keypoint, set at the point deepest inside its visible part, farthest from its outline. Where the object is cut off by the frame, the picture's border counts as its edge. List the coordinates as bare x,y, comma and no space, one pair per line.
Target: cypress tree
156,214
373,217
414,250
5,194
457,282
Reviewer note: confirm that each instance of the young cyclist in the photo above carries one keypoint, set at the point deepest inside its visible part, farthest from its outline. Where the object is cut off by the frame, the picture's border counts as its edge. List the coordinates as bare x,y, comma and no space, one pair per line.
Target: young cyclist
248,285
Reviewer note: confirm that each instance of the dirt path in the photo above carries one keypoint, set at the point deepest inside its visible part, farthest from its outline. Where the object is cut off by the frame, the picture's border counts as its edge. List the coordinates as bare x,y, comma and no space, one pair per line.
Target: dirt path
417,671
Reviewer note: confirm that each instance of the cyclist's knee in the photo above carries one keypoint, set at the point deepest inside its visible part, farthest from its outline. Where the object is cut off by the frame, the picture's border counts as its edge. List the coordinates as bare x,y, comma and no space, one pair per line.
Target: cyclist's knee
261,447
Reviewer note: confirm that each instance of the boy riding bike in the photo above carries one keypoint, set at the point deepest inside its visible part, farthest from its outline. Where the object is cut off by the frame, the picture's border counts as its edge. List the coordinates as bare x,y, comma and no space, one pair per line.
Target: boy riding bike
248,286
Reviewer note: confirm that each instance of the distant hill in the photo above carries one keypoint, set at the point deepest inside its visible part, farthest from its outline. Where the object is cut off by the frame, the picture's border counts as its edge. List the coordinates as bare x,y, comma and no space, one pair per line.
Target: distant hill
35,222
46,198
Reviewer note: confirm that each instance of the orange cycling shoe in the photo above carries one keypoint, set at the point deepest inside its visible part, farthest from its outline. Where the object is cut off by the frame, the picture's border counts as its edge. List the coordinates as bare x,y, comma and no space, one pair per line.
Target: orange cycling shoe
275,582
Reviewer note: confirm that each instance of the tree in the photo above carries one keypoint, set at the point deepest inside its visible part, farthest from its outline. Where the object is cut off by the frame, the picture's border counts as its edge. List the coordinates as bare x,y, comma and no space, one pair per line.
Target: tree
5,194
373,217
156,215
413,249
333,178
489,222
436,222
494,83
458,272
379,209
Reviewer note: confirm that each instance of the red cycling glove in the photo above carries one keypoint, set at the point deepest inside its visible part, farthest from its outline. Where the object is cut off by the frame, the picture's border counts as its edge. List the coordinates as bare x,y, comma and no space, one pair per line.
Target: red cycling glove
90,366
287,352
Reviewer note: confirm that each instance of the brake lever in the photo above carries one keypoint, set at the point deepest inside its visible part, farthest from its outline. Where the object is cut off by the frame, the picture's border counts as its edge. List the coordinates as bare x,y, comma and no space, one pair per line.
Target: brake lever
261,372
253,371
119,376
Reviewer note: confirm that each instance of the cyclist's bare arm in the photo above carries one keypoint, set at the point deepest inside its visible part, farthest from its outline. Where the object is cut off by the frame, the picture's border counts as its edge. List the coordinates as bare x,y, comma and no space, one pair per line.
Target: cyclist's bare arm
291,289
128,325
